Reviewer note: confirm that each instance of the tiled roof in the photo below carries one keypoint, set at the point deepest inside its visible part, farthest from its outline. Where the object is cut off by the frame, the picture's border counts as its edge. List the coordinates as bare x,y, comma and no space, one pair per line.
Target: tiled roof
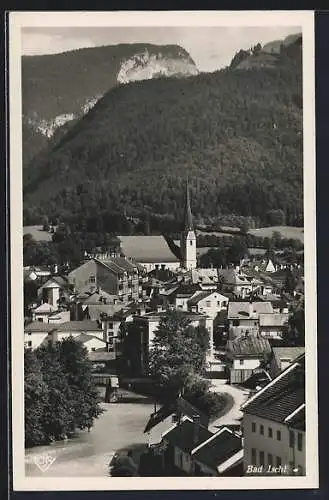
219,448
281,397
183,435
78,326
204,276
145,249
179,406
187,289
274,319
39,326
290,353
95,311
95,298
249,346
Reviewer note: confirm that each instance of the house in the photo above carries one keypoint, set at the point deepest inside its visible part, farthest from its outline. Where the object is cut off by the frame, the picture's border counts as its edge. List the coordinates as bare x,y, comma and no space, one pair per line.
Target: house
143,329
181,294
246,355
91,343
152,252
208,302
35,333
282,357
117,276
50,291
243,317
272,325
42,312
163,419
265,266
236,282
180,440
207,278
274,424
220,454
76,328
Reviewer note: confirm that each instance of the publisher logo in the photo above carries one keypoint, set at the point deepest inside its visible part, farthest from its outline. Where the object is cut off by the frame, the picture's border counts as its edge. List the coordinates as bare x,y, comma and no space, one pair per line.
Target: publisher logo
44,460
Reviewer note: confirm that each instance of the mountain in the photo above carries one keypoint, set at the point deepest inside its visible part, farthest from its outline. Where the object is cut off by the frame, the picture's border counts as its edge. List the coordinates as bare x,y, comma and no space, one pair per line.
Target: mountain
59,88
237,134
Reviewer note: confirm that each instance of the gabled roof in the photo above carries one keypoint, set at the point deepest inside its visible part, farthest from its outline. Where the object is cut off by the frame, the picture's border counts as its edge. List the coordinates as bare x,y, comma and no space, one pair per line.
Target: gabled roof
44,308
147,249
248,346
187,290
297,419
218,449
84,338
179,406
193,301
279,399
183,435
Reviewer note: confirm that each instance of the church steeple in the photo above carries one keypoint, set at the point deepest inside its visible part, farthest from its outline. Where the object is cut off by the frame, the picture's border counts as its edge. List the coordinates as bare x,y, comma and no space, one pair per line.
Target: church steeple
188,220
188,236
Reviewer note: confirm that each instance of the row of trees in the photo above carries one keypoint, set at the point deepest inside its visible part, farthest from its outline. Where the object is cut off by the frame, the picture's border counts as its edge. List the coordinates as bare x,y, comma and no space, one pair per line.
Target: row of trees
60,396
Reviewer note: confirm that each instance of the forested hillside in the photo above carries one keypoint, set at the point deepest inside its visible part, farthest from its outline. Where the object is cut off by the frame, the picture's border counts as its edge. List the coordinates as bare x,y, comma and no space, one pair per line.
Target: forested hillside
236,133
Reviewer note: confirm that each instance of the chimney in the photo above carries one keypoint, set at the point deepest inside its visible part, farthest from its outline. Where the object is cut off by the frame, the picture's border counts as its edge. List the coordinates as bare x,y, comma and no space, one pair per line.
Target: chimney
196,429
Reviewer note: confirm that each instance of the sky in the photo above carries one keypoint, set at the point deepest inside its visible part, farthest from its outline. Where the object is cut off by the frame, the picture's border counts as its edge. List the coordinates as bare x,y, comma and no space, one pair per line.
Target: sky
211,48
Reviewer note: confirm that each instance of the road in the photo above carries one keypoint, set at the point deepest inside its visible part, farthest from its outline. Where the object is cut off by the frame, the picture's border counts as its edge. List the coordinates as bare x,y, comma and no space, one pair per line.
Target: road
119,427
239,396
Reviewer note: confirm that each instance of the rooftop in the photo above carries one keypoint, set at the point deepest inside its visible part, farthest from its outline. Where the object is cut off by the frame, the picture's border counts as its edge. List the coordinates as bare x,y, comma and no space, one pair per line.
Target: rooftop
218,448
247,310
290,353
39,326
147,249
84,337
249,346
180,405
183,435
78,326
274,319
279,399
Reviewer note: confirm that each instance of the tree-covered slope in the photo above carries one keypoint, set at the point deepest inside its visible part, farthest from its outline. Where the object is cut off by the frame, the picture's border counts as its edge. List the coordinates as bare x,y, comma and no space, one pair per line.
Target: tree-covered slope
237,134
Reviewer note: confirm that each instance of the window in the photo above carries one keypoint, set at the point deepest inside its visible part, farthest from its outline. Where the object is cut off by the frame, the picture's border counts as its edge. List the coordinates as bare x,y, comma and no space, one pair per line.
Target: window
93,349
261,458
92,279
241,361
191,242
253,456
270,432
253,427
270,459
224,304
278,435
236,322
29,344
29,333
278,461
40,319
111,324
300,441
291,439
208,303
261,430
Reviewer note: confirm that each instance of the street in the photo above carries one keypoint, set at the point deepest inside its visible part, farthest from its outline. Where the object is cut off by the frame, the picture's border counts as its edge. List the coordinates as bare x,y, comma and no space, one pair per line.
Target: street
119,427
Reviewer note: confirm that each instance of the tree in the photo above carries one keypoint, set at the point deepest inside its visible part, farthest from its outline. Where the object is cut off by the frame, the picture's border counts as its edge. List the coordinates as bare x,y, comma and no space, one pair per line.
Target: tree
36,400
296,326
178,352
276,217
290,282
237,251
75,364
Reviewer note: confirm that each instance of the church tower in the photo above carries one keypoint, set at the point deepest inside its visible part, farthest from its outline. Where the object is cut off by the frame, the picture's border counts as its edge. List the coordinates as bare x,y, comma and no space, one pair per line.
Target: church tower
188,236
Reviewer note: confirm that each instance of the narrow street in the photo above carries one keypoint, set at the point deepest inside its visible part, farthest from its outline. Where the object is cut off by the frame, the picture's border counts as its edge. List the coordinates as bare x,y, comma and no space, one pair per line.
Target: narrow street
239,396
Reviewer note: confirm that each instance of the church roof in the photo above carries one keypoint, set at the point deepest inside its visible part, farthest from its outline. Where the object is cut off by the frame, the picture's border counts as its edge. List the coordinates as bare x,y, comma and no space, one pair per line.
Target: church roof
147,249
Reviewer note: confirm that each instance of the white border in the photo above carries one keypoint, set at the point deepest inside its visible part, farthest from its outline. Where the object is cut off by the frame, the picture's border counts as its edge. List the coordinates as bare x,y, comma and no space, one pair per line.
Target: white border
17,20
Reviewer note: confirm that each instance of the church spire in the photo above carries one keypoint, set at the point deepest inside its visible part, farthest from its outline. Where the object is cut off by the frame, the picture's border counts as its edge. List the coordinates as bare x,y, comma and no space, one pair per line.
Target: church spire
188,221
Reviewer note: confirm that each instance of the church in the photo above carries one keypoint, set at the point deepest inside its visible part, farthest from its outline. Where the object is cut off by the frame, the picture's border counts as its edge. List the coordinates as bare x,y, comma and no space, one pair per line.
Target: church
160,252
